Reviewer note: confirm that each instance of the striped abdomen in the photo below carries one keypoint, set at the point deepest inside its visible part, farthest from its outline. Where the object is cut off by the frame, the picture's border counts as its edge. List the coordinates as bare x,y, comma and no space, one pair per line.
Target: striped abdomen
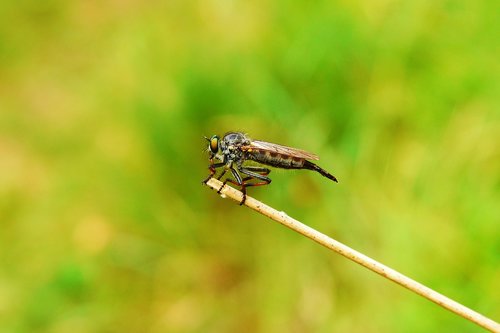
276,159
286,162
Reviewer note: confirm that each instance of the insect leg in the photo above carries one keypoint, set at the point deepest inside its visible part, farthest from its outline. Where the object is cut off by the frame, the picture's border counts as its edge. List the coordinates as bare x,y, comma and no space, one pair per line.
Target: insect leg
212,168
243,180
260,170
249,172
253,175
222,173
236,176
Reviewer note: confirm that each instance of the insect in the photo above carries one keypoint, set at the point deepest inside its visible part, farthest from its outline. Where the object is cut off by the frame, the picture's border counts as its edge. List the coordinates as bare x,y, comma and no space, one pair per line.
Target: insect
235,148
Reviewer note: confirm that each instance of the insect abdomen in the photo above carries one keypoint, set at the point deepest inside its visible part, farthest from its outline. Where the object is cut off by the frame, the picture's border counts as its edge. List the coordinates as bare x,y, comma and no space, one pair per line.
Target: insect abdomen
276,160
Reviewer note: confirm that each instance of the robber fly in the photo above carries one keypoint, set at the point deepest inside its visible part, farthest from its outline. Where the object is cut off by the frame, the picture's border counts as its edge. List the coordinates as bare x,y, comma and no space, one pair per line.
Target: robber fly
235,148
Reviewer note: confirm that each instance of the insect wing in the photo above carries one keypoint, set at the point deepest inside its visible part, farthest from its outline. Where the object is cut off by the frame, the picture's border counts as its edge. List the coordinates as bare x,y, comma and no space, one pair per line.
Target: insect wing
279,149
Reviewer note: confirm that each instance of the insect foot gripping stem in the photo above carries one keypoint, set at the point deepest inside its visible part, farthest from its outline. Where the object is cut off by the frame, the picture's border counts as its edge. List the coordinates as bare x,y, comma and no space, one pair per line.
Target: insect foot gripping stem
243,199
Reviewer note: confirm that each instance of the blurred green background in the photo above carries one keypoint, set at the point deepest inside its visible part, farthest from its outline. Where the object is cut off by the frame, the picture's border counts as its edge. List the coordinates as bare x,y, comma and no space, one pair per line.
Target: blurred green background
105,226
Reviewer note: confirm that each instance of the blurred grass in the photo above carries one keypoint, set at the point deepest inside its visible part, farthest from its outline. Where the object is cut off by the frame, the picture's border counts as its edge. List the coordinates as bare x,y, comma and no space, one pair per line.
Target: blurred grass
103,108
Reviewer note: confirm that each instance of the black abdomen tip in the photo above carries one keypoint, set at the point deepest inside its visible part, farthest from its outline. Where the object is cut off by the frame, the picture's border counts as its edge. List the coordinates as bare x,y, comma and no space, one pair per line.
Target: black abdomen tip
312,166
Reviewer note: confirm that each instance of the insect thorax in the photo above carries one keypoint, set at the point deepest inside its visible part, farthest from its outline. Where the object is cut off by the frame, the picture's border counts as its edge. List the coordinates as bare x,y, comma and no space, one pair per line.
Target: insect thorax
230,146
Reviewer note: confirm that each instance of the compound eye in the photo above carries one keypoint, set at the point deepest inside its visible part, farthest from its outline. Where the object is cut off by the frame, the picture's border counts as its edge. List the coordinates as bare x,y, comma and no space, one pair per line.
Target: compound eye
214,144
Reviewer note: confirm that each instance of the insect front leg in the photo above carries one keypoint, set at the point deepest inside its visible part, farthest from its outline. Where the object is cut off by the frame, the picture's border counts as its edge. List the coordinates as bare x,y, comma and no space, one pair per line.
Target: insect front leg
212,167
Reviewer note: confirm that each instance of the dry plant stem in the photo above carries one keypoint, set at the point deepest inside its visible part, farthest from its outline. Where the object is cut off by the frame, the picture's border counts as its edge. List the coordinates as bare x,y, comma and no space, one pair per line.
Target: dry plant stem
357,257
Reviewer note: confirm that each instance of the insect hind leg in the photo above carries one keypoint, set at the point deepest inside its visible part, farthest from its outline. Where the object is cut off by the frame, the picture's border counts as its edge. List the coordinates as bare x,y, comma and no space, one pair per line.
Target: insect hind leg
260,170
253,173
256,175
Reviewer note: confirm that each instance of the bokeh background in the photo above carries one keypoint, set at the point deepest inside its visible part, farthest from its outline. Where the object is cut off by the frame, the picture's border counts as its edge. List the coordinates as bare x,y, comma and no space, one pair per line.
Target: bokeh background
105,226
